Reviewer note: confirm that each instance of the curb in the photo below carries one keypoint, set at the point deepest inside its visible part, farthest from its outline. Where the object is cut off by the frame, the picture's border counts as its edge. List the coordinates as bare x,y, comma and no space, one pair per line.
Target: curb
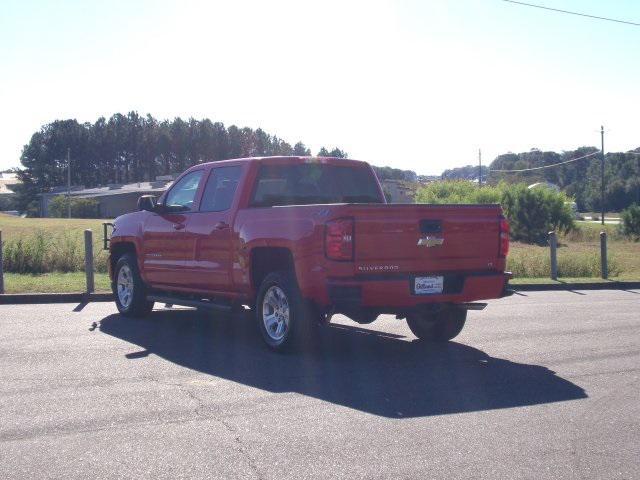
24,298
533,287
35,298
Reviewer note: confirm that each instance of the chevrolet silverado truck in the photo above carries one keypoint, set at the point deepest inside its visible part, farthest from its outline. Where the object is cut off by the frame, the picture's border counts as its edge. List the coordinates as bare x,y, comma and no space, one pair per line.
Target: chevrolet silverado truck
298,239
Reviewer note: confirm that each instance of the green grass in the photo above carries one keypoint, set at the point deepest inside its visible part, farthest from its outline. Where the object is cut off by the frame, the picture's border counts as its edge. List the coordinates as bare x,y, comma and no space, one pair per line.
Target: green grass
12,226
578,256
544,281
53,283
590,232
45,245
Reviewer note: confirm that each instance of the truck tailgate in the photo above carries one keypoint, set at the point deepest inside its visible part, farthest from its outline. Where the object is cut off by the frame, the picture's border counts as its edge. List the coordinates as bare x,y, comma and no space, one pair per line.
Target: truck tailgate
425,238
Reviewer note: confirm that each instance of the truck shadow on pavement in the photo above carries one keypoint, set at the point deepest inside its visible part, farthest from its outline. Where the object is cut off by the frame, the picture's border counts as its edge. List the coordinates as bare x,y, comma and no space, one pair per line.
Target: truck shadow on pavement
374,372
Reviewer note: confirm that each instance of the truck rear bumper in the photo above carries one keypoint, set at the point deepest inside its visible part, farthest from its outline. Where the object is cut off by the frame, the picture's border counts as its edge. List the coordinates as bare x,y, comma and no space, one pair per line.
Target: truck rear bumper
393,294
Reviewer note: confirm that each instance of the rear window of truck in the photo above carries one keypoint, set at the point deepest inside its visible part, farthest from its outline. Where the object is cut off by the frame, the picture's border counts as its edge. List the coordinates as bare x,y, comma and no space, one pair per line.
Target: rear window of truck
314,183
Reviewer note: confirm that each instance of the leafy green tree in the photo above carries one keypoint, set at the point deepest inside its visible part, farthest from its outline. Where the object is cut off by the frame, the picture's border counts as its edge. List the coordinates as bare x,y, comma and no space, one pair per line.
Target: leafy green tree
301,150
469,172
7,202
388,173
336,153
580,179
80,207
534,212
631,221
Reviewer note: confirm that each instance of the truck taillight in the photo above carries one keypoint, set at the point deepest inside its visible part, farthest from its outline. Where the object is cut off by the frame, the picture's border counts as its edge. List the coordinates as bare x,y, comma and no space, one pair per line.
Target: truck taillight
504,237
338,239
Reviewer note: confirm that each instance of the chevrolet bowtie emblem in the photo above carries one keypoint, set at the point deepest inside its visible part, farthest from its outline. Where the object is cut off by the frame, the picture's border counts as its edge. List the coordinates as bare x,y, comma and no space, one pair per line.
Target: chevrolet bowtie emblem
430,241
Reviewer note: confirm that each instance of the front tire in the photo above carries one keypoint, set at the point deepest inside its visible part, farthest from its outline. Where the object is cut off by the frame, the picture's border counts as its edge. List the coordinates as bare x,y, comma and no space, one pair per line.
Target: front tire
438,327
128,288
283,318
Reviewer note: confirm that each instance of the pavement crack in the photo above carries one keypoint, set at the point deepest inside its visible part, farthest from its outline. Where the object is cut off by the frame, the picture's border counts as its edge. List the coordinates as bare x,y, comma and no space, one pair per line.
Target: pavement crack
241,448
206,412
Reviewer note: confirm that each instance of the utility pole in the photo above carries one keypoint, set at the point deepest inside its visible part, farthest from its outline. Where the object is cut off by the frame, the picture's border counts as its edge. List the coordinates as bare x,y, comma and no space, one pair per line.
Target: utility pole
638,154
69,182
479,168
602,173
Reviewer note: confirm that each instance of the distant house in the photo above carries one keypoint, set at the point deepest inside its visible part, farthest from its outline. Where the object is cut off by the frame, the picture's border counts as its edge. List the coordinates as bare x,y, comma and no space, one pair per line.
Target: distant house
6,181
113,200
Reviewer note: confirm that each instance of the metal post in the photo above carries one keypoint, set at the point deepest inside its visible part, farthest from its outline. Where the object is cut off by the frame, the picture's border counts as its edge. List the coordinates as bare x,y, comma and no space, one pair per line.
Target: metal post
602,173
553,243
604,266
69,182
105,239
480,168
88,259
1,265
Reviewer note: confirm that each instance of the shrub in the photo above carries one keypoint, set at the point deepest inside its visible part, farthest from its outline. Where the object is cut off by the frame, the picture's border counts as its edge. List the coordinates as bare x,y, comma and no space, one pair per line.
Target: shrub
80,207
7,202
532,213
26,254
458,191
42,253
631,221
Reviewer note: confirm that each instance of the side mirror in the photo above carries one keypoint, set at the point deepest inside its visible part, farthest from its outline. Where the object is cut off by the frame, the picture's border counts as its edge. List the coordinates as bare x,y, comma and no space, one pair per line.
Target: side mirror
147,202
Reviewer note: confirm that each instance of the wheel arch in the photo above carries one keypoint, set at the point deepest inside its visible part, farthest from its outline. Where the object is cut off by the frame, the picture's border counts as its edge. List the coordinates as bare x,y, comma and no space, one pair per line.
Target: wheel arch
117,250
264,260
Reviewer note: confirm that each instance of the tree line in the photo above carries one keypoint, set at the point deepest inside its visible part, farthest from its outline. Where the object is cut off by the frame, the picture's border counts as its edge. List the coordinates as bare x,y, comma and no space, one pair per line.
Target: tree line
133,148
579,180
468,172
389,173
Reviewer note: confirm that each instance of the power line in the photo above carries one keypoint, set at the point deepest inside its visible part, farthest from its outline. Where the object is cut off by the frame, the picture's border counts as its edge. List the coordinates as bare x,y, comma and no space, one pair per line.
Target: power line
547,166
573,13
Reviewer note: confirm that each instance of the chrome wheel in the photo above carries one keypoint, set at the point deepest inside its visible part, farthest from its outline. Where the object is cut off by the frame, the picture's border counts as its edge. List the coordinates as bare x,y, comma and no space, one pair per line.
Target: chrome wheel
275,313
124,286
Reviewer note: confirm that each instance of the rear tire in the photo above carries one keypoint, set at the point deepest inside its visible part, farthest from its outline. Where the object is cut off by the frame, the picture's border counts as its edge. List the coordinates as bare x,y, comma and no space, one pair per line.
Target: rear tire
438,327
284,319
128,288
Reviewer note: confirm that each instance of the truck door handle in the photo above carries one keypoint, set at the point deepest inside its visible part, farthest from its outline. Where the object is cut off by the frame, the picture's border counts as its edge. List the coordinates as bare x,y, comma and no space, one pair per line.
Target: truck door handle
178,226
221,225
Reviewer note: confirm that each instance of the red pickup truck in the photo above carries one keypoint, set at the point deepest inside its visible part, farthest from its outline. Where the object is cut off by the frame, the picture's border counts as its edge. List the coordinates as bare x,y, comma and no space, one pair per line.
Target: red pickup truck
298,239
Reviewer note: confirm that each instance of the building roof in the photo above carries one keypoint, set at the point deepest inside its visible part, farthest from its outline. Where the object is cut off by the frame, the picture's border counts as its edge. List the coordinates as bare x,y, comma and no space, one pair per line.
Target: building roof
7,179
114,189
140,187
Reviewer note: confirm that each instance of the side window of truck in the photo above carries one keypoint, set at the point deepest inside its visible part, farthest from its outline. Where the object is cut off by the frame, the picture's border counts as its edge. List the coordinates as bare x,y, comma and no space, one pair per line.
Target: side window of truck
183,193
220,189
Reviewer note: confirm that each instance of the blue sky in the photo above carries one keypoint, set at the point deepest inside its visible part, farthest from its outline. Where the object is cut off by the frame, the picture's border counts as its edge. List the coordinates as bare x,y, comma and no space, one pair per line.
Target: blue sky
411,84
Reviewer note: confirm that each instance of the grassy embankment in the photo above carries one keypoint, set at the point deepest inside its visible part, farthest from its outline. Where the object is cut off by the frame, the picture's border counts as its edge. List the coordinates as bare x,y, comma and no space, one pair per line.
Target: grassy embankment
47,254
578,257
54,248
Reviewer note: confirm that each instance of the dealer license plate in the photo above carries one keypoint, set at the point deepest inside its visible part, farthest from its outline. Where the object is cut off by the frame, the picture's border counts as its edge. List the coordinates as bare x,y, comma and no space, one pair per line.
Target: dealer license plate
428,285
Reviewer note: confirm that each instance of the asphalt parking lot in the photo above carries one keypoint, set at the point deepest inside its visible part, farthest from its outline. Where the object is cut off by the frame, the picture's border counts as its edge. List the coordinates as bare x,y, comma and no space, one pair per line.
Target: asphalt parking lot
539,385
